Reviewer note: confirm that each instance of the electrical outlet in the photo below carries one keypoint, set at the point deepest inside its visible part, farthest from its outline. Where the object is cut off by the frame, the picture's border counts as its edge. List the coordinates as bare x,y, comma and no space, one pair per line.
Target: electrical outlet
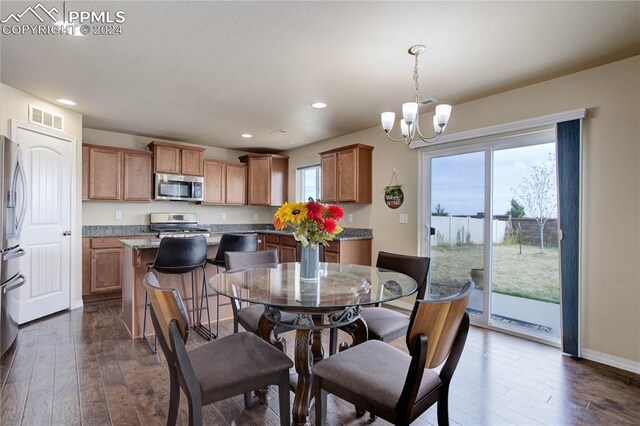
255,217
404,218
118,215
350,218
224,216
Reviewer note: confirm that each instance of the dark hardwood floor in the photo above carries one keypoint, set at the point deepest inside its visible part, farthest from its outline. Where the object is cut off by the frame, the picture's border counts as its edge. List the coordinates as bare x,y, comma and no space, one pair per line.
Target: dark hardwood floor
80,367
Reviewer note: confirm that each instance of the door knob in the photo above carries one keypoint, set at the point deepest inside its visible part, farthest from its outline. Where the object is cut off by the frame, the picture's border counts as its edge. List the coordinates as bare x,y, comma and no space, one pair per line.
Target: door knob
66,233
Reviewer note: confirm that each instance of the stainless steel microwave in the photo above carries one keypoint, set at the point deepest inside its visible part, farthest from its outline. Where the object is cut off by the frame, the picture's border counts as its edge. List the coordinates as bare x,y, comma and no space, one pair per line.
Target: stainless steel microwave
179,188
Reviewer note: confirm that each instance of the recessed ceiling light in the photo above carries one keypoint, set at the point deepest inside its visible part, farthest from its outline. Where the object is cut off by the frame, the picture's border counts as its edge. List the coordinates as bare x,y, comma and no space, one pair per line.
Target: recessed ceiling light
246,135
295,142
319,105
65,102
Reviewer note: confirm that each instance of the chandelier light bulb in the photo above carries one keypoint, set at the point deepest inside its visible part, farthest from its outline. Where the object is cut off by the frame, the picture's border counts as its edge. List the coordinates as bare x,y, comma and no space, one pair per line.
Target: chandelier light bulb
387,118
409,112
443,112
404,128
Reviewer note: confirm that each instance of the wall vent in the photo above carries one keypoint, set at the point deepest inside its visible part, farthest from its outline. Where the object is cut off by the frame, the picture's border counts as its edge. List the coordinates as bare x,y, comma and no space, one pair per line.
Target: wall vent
428,101
45,118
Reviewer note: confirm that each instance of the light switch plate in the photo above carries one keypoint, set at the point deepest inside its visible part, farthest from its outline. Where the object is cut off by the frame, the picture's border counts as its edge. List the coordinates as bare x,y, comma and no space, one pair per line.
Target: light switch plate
349,218
404,218
118,215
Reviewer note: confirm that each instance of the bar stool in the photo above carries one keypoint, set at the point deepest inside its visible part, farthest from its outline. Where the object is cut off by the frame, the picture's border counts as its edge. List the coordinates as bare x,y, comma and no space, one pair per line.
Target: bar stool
231,243
177,256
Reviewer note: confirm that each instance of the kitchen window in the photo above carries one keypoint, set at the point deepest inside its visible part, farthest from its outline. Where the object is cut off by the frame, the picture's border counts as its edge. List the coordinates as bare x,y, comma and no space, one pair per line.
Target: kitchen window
308,182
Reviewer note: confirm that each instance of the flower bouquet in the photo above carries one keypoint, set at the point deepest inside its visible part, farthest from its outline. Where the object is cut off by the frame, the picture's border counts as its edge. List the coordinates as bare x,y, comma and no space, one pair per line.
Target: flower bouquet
311,223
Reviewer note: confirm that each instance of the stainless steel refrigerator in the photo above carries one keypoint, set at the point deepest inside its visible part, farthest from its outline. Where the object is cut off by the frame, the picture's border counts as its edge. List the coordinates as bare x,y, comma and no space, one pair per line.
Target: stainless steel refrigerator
13,208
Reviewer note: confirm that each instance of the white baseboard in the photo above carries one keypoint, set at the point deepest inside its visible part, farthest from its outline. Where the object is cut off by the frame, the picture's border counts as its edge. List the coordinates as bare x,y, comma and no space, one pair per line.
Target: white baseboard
611,360
77,304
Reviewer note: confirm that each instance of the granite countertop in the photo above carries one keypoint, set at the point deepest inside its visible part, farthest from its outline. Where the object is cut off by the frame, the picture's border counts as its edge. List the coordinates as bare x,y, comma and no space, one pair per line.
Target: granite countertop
148,243
95,231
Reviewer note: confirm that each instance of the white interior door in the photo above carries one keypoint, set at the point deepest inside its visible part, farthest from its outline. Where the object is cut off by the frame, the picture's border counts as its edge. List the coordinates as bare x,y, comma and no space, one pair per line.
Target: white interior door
47,263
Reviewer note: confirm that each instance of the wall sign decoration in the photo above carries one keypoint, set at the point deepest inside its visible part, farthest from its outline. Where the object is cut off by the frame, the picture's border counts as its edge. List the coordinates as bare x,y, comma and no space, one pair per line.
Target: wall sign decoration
393,195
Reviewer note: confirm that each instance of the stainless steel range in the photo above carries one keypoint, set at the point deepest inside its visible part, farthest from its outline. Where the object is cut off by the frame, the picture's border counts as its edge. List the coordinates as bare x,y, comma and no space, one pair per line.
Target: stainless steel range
176,225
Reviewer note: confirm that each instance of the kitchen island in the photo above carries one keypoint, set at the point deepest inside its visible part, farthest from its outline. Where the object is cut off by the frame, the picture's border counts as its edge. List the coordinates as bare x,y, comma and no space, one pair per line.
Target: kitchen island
137,254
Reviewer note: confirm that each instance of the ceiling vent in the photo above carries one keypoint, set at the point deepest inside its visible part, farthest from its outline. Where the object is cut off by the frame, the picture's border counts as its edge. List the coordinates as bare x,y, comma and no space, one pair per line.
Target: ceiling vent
45,118
278,132
428,101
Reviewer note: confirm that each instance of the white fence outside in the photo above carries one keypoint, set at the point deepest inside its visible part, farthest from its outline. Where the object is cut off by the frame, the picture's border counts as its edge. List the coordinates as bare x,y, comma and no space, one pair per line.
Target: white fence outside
456,230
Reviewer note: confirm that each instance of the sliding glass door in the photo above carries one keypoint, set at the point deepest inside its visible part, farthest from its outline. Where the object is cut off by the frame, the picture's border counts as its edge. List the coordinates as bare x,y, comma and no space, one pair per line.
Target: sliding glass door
491,209
457,221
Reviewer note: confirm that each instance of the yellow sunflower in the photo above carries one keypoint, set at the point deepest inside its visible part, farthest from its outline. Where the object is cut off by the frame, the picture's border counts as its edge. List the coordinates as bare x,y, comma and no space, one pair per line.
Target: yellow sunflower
291,212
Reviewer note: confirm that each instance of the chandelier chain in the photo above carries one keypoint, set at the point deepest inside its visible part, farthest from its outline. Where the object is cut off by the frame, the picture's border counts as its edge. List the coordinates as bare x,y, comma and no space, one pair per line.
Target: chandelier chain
415,75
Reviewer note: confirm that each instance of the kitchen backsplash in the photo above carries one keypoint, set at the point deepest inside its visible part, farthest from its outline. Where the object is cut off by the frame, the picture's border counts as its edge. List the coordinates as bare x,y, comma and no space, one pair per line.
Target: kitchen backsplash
130,230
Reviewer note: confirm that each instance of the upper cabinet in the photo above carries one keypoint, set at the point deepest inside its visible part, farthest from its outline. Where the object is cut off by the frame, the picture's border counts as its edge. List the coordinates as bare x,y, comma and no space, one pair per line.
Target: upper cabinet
115,174
347,174
267,179
225,182
137,175
177,159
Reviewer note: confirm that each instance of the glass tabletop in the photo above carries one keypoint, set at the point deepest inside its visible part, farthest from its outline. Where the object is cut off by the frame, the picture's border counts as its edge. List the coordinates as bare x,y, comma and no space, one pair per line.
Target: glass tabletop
340,285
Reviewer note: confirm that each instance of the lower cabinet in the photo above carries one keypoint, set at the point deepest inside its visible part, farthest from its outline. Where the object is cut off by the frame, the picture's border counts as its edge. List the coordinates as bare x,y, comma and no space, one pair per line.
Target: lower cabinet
356,252
338,251
101,268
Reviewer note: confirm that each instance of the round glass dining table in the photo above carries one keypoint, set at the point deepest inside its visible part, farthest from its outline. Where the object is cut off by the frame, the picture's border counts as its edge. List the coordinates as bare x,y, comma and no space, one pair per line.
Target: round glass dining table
334,300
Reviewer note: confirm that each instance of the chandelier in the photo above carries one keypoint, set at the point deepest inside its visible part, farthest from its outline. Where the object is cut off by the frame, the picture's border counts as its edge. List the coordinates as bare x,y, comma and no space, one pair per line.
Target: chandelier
409,125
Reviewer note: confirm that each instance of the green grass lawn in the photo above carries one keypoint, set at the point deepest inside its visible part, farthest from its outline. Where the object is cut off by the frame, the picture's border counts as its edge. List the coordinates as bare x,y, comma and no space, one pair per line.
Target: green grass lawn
532,275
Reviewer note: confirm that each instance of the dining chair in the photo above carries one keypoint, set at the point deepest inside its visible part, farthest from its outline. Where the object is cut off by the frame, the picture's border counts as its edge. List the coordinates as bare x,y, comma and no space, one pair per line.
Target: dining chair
386,324
177,256
391,384
235,243
249,317
229,366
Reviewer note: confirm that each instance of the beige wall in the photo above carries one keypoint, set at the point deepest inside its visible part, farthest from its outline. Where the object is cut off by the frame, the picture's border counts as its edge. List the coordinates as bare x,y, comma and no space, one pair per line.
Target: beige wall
611,199
103,213
14,105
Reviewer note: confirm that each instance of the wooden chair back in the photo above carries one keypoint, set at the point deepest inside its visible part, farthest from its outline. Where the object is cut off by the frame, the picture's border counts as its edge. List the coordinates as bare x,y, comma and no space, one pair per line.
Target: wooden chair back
439,320
167,305
238,260
414,266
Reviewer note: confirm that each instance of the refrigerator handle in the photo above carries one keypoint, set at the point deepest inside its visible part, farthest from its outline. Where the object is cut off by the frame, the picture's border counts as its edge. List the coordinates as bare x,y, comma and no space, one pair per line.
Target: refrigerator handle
23,179
13,254
14,283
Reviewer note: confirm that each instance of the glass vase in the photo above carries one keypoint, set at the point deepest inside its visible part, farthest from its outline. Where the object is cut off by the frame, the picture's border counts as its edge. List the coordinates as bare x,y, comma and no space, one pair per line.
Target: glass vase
310,262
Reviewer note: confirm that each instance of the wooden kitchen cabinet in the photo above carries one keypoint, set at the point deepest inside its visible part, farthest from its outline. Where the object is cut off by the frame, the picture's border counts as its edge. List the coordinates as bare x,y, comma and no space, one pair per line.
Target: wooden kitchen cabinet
347,174
177,159
137,177
290,249
272,242
85,173
236,184
338,251
348,251
116,174
192,162
102,268
106,270
104,174
214,182
225,182
267,179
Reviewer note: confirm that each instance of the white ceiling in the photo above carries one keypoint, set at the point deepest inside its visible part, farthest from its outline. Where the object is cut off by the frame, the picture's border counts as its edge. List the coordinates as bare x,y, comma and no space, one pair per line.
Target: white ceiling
205,72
